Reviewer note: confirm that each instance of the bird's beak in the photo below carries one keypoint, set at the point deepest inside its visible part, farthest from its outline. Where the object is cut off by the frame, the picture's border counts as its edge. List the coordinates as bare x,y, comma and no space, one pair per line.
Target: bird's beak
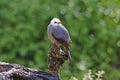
59,22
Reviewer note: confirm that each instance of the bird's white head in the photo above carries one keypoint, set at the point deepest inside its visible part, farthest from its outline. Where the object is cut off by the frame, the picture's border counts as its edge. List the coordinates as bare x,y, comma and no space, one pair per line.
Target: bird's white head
56,22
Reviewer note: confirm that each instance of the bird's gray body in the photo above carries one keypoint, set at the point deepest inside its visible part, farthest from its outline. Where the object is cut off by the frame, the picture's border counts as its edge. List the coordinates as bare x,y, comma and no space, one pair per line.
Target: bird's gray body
59,35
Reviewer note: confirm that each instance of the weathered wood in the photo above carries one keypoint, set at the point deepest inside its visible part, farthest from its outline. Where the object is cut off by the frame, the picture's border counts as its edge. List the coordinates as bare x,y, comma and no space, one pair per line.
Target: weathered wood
16,72
56,57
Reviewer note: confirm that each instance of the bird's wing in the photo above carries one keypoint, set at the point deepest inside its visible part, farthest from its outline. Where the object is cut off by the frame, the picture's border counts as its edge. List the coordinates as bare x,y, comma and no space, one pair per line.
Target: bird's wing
61,35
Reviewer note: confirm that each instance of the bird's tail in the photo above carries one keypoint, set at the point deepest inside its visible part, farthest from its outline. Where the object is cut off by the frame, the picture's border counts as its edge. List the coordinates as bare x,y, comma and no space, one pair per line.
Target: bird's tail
69,55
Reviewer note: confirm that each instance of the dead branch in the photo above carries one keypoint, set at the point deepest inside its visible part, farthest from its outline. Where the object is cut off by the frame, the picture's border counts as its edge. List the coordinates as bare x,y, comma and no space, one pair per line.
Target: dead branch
56,58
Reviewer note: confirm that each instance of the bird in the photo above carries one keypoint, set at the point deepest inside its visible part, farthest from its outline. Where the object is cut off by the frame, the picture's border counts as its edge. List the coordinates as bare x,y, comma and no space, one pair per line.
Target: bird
59,36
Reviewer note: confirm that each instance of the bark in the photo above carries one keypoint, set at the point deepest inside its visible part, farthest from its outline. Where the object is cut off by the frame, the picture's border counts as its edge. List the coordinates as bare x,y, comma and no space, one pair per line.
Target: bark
56,57
16,72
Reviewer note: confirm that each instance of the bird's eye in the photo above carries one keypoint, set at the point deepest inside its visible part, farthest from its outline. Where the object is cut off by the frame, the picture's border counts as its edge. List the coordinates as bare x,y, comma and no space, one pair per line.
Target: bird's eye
55,22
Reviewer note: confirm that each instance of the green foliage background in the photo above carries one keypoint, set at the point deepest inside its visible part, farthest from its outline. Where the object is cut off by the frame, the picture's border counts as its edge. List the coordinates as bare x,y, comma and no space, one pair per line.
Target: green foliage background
94,26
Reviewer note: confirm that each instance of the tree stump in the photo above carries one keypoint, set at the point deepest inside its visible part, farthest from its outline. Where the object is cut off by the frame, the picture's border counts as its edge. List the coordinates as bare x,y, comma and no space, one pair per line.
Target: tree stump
56,57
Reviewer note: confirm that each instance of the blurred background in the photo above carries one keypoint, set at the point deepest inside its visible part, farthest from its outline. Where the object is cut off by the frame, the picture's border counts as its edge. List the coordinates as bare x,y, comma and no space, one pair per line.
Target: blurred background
94,27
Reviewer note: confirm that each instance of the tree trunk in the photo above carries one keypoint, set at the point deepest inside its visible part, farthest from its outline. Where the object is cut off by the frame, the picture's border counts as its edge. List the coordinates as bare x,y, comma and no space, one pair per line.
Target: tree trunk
56,57
16,72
